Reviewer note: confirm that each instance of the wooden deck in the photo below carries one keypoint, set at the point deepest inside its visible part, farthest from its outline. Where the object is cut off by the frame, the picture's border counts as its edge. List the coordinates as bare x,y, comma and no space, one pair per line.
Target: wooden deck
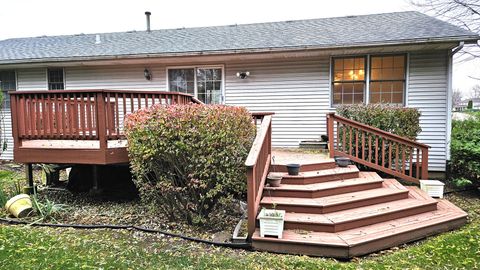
78,126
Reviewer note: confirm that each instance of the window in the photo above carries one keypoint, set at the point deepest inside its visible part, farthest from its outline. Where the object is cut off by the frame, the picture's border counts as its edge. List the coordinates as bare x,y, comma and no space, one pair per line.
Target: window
55,79
387,79
203,83
348,80
8,82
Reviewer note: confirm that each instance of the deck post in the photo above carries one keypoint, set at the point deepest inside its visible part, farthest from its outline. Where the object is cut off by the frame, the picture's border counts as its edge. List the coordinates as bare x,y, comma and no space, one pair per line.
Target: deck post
330,134
29,176
95,188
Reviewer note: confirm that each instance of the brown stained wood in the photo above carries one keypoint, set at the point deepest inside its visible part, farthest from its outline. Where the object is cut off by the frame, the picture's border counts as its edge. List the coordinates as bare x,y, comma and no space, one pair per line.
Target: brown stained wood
390,161
369,148
344,141
397,164
326,175
363,146
383,152
376,149
90,115
117,116
356,143
404,164
43,131
332,150
350,138
410,162
82,117
418,164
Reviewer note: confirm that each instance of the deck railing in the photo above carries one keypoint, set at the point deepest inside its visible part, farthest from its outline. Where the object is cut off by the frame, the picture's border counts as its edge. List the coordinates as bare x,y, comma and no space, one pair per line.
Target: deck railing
258,164
81,114
377,149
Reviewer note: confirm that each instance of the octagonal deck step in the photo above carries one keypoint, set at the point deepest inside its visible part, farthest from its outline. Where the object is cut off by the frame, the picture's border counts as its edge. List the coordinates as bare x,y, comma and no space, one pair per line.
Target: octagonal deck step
389,192
361,216
328,163
320,176
366,239
365,181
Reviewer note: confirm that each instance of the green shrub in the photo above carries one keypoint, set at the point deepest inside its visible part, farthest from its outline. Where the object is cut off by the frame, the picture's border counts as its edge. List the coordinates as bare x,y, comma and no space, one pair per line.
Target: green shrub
398,120
188,159
465,149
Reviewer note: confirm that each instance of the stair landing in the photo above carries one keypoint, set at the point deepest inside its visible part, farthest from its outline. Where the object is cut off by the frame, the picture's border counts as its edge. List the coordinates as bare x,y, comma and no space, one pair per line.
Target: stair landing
352,215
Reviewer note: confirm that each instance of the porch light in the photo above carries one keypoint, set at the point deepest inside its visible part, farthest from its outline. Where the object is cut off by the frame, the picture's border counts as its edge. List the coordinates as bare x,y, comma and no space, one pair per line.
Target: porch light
243,74
148,74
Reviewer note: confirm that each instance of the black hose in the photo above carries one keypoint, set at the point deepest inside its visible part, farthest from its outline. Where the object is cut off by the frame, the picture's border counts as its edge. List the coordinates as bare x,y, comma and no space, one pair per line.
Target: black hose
125,227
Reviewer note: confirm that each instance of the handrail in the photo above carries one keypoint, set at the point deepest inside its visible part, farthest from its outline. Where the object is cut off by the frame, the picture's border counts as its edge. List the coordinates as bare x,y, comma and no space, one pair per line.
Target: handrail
95,114
258,164
377,149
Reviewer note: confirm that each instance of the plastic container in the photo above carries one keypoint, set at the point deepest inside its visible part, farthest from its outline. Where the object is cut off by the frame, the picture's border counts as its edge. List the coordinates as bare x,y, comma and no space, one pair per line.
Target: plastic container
342,161
19,206
271,222
274,179
293,169
433,188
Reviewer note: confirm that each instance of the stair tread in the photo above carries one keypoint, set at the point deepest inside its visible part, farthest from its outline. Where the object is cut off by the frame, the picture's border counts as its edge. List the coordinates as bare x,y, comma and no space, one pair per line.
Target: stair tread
365,177
333,171
334,199
446,212
356,213
317,160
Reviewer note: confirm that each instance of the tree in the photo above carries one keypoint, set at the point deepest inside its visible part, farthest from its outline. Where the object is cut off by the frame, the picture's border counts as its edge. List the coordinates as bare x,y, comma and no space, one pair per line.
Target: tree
456,97
470,104
475,91
463,13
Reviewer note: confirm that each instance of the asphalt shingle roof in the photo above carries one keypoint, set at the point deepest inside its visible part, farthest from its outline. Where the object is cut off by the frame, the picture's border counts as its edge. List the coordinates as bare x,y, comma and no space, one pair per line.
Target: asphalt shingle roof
376,29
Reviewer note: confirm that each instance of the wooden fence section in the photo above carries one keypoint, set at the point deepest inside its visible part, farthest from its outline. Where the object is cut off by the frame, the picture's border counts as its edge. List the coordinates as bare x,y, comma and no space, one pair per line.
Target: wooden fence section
258,164
377,149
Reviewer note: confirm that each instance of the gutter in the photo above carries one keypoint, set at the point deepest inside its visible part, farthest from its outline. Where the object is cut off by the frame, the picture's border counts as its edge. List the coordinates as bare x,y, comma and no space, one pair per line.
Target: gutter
448,134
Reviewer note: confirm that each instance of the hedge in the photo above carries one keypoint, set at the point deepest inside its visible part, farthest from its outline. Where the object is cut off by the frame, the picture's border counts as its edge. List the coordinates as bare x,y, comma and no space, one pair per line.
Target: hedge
398,120
189,159
465,150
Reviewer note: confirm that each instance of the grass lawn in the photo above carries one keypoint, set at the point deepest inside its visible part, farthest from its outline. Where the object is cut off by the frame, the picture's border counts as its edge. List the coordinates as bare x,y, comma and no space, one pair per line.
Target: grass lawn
24,247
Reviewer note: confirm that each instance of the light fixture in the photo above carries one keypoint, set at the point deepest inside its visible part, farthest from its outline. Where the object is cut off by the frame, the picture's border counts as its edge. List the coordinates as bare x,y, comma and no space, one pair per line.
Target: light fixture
243,74
147,74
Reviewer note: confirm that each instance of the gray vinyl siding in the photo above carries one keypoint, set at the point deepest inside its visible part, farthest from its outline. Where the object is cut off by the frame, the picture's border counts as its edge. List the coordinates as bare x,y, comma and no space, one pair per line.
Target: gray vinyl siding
6,134
296,90
427,91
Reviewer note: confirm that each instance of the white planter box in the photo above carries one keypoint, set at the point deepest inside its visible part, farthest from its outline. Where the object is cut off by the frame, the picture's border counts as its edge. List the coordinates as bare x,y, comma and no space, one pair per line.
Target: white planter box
271,222
433,188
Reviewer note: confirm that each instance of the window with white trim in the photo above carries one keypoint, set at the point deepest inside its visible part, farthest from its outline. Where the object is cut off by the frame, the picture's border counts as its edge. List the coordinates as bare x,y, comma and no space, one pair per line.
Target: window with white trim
205,83
55,79
386,79
8,82
348,80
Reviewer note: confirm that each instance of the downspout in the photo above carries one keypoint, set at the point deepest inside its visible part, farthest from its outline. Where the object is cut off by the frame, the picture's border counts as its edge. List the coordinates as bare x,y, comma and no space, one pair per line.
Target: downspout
450,95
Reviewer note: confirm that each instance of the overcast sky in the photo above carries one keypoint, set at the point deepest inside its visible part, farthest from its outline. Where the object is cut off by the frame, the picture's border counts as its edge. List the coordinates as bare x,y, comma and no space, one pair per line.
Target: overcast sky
25,18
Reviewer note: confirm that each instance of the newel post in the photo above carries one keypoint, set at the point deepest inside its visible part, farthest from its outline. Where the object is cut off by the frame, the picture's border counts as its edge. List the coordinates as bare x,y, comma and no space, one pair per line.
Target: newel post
424,163
331,142
101,120
251,196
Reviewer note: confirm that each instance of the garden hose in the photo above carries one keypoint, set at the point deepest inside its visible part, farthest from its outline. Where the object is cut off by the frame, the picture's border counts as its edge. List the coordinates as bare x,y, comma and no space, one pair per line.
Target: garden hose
126,227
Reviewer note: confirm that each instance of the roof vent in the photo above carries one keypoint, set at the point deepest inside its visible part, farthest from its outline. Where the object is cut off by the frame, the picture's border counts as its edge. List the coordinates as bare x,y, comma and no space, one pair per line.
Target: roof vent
98,40
148,13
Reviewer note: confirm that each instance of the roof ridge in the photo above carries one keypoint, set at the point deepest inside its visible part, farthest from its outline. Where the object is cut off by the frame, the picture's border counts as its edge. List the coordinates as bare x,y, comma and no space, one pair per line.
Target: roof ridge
213,26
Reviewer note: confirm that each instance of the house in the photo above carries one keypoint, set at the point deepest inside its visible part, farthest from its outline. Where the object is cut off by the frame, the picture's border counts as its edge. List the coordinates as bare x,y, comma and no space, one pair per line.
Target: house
463,105
301,70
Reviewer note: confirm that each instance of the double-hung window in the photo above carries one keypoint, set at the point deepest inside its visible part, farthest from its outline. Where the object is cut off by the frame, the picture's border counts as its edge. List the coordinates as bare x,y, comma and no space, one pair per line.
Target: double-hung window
204,83
348,82
8,82
387,79
55,79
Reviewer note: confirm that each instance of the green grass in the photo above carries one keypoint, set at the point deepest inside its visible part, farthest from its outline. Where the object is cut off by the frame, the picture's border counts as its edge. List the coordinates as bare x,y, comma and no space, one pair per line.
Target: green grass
44,248
23,247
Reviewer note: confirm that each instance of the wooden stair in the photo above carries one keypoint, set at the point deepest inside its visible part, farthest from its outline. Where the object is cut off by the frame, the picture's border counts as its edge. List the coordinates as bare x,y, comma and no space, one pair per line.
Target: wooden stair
341,212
